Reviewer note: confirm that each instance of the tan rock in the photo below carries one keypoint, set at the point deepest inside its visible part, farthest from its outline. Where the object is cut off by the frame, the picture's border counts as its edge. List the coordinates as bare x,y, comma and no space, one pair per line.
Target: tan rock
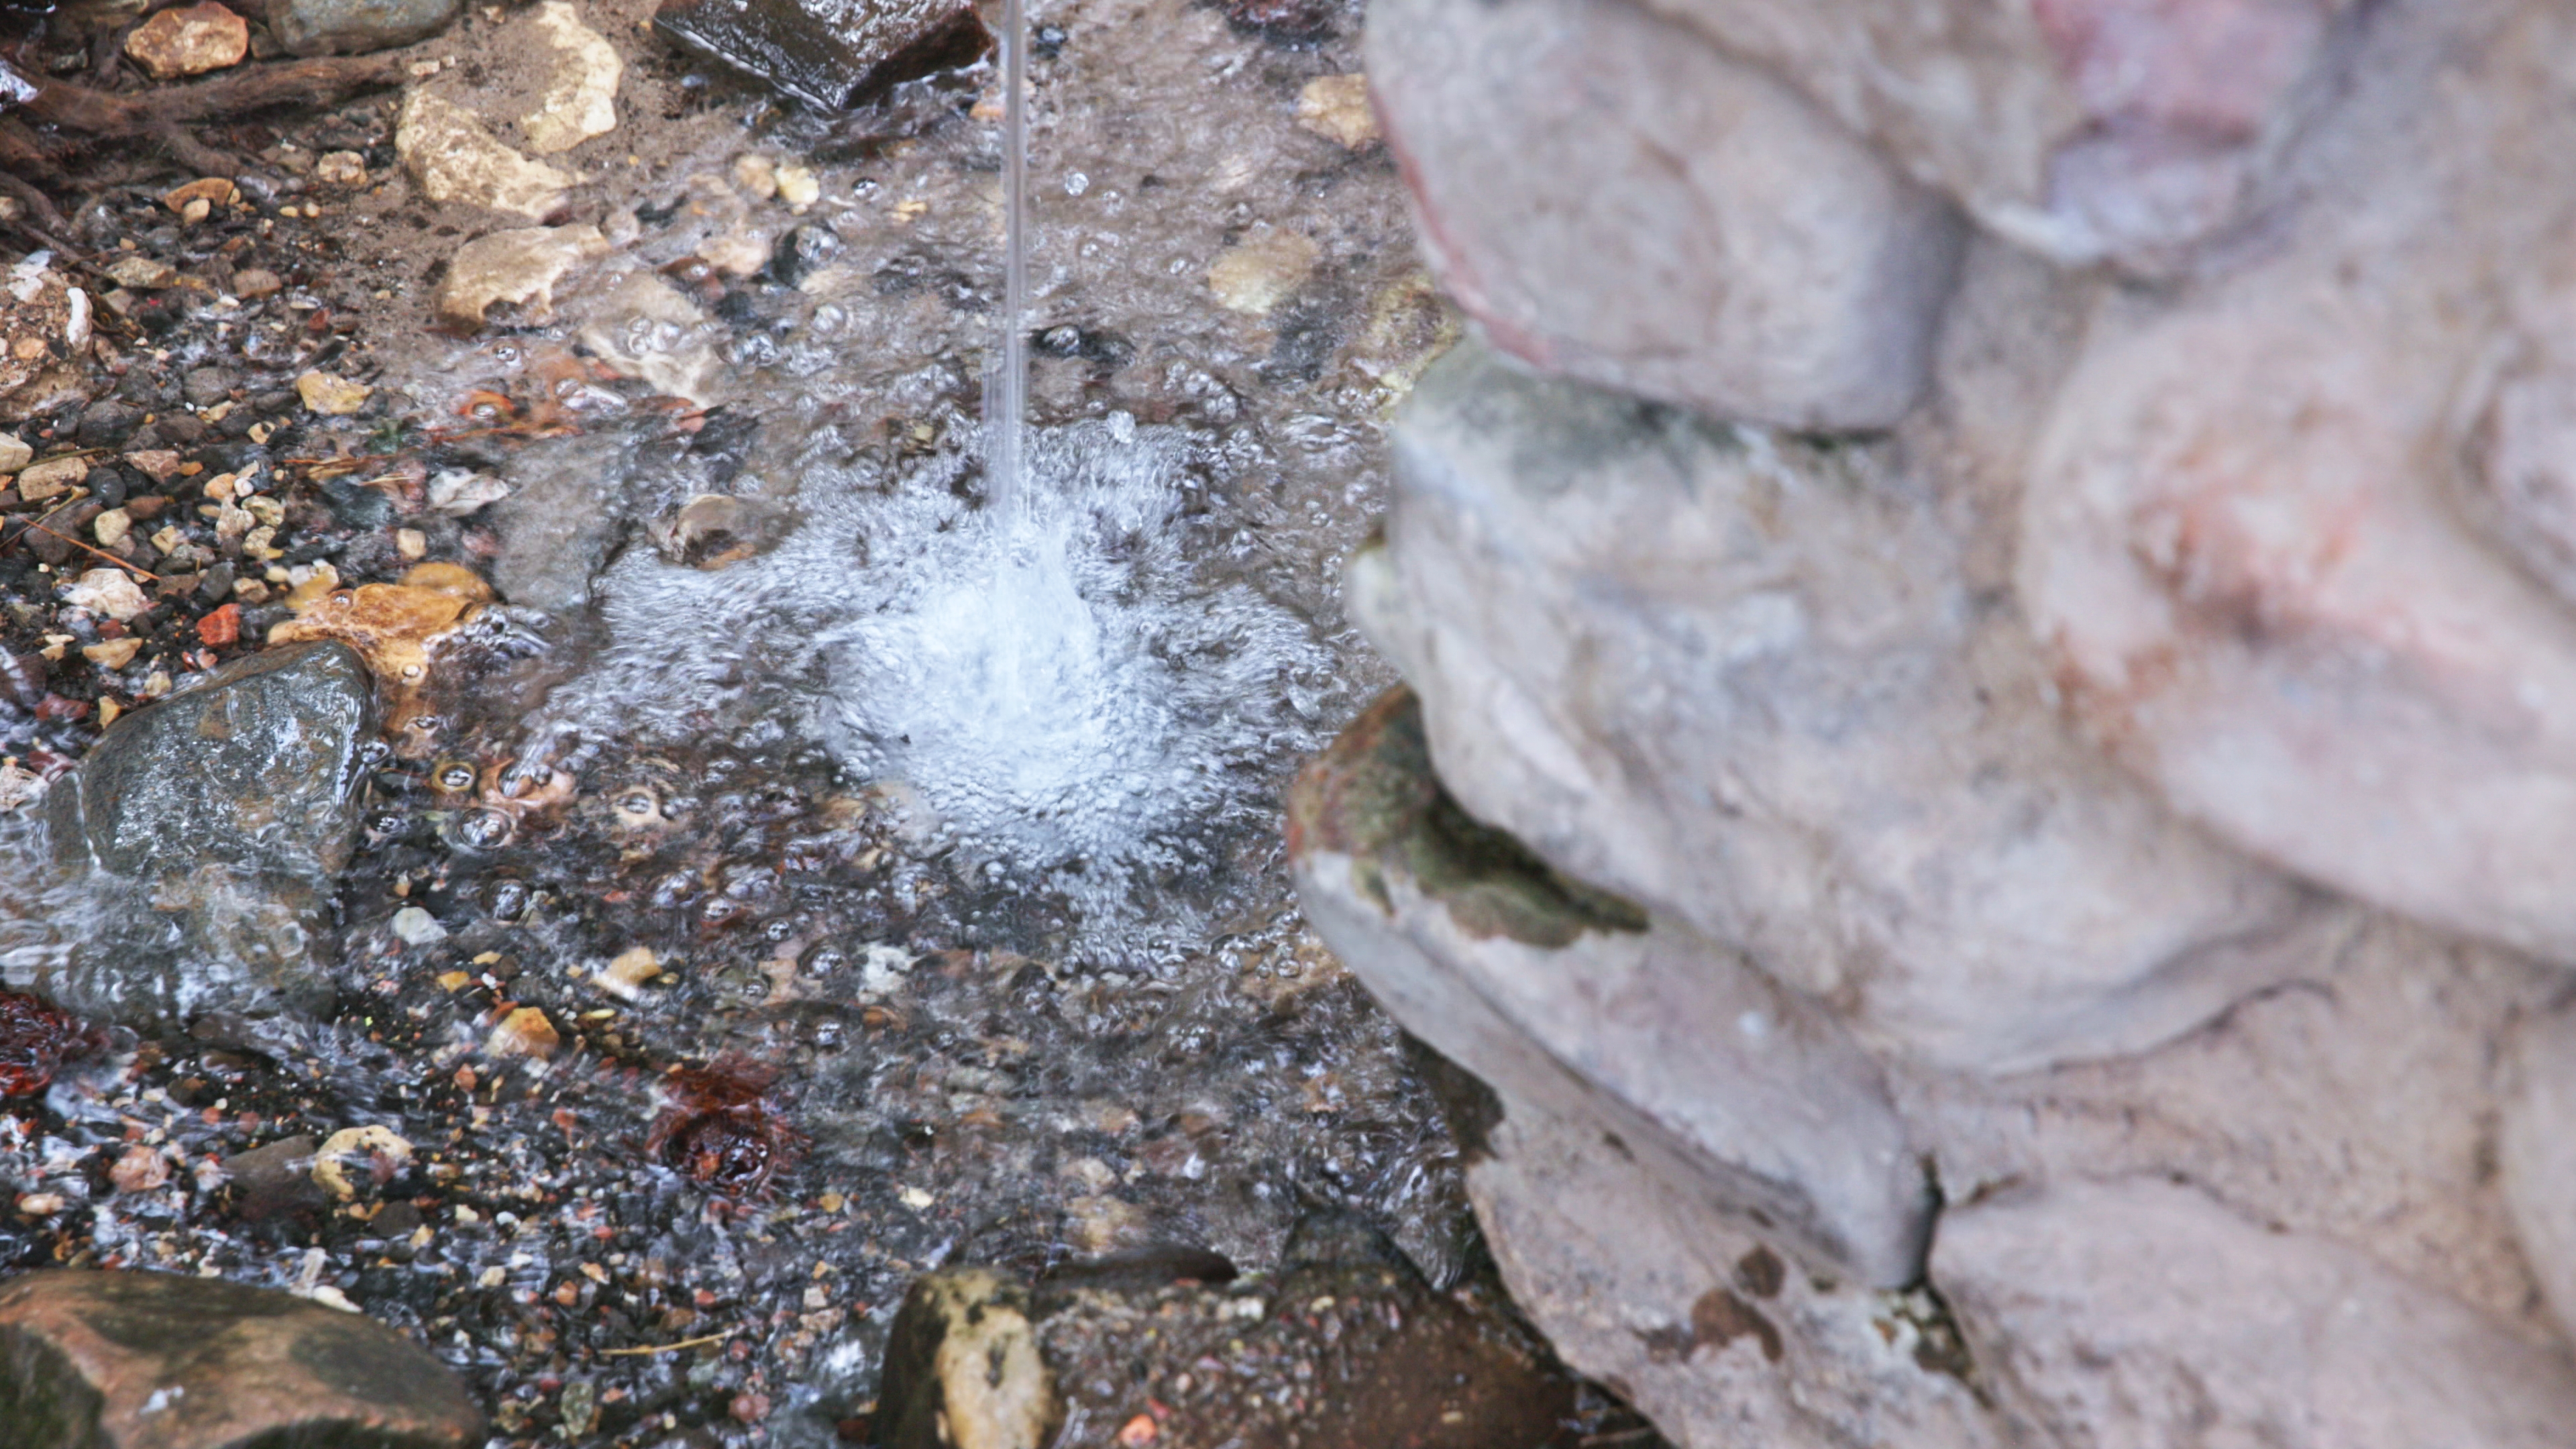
252,283
375,1151
331,395
525,1032
580,99
214,191
1336,107
112,592
158,464
394,627
53,476
341,168
112,653
518,267
1257,273
143,274
453,157
643,328
189,40
14,453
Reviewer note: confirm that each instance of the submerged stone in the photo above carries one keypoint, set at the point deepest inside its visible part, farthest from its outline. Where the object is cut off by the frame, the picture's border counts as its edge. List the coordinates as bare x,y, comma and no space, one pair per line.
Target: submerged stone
1341,1349
831,53
226,812
353,27
124,1360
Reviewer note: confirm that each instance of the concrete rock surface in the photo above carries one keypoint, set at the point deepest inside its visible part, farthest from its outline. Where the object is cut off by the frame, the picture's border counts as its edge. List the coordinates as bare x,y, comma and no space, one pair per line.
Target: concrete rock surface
93,1359
2537,1153
2139,1314
1741,679
2082,129
1699,1322
2289,535
1618,199
1757,1102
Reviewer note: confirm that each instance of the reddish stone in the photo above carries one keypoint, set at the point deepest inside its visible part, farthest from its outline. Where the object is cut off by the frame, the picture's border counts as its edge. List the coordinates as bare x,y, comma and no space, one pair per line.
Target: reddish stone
221,627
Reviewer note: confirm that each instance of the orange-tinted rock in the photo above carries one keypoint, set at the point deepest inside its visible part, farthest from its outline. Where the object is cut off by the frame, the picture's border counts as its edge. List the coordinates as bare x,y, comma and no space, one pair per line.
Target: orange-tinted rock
189,41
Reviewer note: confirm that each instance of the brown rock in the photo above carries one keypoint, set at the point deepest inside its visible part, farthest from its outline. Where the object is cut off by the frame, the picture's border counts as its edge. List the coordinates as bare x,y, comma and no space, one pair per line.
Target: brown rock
212,190
134,1360
189,41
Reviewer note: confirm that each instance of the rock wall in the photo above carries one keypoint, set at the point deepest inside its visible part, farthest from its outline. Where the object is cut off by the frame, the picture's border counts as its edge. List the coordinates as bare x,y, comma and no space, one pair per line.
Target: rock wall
1990,640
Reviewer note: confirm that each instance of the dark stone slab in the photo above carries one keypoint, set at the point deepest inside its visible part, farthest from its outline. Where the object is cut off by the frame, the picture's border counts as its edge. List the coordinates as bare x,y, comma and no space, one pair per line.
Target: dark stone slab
136,1360
830,53
217,821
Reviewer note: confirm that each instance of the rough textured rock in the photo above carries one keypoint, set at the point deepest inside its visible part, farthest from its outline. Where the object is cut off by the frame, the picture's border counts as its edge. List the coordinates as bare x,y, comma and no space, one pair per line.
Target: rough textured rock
41,316
2245,546
1620,200
2140,1313
229,809
352,27
1741,680
643,328
829,53
1771,1114
563,518
188,40
519,267
2358,1101
2537,1153
2079,128
1346,1347
580,98
453,157
1704,1325
137,1360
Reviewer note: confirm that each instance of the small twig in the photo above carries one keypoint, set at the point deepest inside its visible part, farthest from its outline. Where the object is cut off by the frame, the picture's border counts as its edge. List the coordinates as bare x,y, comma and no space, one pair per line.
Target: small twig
137,569
670,1347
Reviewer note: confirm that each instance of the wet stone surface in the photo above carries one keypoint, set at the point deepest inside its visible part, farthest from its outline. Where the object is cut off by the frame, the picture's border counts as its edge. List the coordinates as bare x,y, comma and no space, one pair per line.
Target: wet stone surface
714,1011
128,1360
1344,1346
217,819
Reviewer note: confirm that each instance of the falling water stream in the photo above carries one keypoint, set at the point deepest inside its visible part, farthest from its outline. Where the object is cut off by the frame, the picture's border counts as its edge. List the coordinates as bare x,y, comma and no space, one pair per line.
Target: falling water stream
1007,389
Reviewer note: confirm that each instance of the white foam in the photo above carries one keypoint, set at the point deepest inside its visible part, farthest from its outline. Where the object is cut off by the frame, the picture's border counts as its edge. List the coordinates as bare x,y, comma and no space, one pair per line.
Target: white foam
1080,709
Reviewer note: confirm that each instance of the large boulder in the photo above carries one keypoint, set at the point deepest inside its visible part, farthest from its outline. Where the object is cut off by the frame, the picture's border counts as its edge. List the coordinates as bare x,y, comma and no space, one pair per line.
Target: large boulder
2294,538
1698,1318
2083,129
218,820
1744,680
1751,1099
138,1360
2140,1313
1616,198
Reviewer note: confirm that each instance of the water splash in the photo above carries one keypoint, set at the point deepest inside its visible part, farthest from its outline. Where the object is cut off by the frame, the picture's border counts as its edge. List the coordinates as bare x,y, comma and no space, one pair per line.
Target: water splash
1081,710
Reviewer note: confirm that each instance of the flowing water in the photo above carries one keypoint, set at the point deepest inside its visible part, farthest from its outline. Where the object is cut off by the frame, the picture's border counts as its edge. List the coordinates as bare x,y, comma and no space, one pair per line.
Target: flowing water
946,785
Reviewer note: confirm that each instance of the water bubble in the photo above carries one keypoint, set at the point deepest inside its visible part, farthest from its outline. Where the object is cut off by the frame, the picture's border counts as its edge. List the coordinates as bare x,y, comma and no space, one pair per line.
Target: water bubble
1075,183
